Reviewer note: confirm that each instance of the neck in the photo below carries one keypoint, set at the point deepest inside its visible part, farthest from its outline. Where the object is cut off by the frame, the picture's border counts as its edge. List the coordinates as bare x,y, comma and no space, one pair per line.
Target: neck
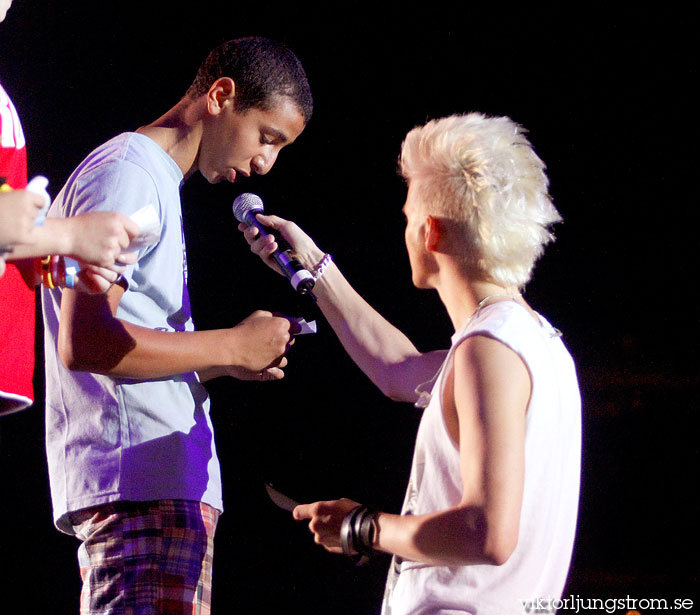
462,296
179,132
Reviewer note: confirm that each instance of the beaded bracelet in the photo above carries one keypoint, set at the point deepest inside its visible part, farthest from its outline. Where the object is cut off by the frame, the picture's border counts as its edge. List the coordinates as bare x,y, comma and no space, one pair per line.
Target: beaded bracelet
56,272
69,271
53,267
321,267
46,278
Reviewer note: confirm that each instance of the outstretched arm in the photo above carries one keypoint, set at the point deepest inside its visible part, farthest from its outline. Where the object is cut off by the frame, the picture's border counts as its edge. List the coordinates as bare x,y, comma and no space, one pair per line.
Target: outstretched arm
381,350
96,238
486,400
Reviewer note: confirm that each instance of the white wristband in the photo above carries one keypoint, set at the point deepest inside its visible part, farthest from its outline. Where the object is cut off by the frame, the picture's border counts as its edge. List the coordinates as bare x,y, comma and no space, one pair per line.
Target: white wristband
321,267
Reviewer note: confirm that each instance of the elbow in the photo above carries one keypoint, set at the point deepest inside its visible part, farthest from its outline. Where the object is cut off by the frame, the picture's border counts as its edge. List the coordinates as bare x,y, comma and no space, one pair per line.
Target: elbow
463,536
65,351
398,378
386,387
78,353
499,543
394,394
70,356
498,554
494,540
391,388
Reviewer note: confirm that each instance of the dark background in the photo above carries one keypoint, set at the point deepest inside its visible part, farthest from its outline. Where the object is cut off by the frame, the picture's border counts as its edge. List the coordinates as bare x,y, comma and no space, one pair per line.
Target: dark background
605,96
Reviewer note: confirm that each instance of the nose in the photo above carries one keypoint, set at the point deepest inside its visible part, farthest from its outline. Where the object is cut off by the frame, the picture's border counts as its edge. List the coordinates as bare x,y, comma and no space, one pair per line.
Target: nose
261,164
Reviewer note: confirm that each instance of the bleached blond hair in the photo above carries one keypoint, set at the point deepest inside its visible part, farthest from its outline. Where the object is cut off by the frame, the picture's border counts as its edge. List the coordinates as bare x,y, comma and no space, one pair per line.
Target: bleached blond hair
482,174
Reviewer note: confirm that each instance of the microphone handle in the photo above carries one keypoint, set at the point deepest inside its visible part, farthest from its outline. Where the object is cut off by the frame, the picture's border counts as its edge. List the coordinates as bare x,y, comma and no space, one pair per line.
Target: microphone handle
300,279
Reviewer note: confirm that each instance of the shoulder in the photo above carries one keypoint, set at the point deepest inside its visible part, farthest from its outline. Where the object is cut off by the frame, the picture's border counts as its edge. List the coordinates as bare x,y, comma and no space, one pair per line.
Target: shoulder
487,356
481,352
111,178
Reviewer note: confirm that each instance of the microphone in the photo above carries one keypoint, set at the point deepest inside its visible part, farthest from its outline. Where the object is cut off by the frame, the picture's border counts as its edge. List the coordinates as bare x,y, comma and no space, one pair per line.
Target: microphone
245,207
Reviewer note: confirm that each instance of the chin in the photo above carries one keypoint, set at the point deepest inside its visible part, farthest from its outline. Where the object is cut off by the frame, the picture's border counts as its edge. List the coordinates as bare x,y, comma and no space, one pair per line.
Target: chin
420,283
422,280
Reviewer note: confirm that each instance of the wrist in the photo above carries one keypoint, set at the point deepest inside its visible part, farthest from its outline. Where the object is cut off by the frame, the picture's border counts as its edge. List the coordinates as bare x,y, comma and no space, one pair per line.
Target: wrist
359,532
59,236
210,373
309,258
225,351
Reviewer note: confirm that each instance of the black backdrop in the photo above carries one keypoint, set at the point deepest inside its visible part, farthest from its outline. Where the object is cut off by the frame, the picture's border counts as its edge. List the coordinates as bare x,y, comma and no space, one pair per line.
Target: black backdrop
605,96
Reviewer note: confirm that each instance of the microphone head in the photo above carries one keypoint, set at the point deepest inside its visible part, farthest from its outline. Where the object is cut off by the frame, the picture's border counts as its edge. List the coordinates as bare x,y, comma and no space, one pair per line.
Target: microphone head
246,202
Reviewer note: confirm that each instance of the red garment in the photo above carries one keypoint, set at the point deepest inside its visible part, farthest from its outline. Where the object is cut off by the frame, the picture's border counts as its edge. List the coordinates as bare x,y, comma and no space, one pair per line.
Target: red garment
16,298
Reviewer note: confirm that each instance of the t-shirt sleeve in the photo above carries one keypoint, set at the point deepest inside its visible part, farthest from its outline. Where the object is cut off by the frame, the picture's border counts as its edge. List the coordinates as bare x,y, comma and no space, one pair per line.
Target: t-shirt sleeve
116,185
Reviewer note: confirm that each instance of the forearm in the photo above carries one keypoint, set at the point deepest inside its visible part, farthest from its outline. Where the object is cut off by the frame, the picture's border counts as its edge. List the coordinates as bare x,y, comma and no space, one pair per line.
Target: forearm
53,237
159,354
454,537
92,338
380,350
124,350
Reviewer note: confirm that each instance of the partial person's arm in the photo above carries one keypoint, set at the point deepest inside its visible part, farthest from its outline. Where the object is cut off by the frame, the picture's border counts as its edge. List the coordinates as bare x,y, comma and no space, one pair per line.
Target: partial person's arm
91,338
96,238
486,400
18,210
380,350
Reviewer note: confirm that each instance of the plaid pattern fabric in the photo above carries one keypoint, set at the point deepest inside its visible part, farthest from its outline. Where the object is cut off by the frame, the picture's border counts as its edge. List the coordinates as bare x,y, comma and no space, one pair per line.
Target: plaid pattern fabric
146,558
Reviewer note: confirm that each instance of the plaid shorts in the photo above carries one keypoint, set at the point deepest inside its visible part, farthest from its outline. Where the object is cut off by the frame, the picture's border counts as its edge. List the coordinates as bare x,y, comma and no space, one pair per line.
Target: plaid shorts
146,558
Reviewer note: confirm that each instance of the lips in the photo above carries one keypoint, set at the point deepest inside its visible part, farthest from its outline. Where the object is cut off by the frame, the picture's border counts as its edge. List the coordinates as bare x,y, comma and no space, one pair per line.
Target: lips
233,175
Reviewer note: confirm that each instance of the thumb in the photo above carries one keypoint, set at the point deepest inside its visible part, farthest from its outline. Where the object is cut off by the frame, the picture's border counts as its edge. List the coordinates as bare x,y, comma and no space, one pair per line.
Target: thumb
132,229
271,221
302,512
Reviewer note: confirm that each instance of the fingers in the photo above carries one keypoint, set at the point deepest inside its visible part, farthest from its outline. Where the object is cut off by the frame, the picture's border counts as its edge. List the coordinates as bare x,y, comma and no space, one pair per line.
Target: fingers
271,374
127,258
130,227
274,223
260,342
260,314
304,511
294,326
325,519
124,229
95,280
101,237
317,510
261,246
111,271
108,274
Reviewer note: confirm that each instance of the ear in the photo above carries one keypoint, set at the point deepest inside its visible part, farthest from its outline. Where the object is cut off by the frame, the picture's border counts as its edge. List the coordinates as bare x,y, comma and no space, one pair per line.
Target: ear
221,92
434,233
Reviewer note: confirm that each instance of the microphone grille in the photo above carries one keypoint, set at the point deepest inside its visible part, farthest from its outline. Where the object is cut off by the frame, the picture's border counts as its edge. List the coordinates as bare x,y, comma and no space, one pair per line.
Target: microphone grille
246,202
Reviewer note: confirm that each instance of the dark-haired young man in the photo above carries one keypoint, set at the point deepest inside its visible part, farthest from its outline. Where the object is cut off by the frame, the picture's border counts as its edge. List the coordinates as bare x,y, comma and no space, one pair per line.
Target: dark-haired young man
132,463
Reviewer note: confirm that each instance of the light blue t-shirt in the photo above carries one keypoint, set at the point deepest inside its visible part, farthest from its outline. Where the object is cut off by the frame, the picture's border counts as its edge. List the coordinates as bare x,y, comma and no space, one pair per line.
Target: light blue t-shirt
115,439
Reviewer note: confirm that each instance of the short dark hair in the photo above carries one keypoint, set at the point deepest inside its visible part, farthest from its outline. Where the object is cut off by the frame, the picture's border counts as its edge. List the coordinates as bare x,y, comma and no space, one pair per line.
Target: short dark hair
263,70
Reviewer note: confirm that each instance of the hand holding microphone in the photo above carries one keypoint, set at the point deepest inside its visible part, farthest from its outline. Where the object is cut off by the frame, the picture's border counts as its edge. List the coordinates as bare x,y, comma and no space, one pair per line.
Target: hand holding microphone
246,207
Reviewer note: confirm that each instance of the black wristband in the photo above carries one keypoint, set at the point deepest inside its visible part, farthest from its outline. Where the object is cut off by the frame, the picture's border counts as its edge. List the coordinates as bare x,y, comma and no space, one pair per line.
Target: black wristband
347,541
367,533
357,532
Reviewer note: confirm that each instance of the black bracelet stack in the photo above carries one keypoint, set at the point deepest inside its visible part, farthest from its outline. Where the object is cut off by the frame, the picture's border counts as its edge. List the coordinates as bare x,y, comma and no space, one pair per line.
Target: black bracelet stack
357,532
